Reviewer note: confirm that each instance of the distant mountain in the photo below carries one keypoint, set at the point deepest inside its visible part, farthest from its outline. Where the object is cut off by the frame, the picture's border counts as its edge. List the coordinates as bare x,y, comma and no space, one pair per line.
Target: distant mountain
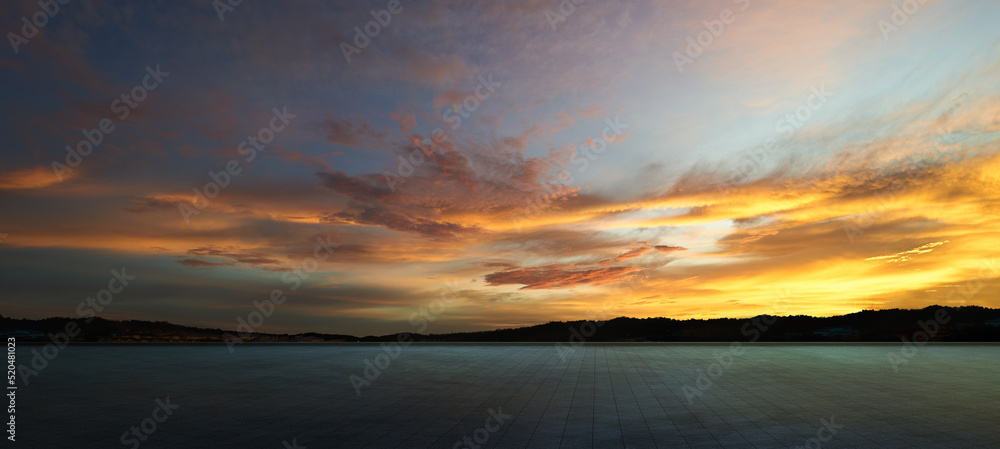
134,331
934,323
968,323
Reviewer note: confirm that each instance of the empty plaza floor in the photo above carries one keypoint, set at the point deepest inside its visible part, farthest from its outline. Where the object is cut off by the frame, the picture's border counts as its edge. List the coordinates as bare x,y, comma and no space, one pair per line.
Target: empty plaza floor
512,396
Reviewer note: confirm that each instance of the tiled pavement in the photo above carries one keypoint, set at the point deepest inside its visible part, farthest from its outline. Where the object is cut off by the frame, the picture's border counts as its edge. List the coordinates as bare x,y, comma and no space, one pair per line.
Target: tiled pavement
601,396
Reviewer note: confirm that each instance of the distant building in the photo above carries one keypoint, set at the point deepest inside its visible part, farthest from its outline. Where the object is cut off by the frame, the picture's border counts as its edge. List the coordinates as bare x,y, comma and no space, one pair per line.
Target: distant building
993,323
841,333
23,334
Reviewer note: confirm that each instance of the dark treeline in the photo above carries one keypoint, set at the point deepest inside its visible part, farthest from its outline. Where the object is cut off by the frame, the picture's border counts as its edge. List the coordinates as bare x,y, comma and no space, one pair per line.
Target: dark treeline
936,323
970,323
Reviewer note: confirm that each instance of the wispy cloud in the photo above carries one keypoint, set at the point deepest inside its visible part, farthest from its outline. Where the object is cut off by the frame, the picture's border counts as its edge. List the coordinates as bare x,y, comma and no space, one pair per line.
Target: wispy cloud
904,256
560,276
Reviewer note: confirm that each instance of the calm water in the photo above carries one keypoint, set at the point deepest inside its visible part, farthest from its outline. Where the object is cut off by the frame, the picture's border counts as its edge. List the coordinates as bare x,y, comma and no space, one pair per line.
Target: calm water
598,395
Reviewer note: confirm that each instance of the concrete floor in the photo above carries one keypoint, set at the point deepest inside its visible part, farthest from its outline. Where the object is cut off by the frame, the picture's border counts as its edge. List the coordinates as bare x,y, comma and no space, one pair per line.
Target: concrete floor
600,395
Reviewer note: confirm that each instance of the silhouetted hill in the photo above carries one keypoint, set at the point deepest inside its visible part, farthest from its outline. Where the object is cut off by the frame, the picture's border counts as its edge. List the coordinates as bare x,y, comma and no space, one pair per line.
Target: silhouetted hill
968,323
134,331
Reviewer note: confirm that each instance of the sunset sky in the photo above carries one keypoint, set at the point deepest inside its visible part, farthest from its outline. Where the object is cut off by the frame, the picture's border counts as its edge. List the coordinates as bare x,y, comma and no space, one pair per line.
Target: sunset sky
530,164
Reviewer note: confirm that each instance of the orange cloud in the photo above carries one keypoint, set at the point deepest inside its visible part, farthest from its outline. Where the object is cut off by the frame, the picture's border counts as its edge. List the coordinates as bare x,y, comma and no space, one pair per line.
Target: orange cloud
640,249
31,178
560,276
